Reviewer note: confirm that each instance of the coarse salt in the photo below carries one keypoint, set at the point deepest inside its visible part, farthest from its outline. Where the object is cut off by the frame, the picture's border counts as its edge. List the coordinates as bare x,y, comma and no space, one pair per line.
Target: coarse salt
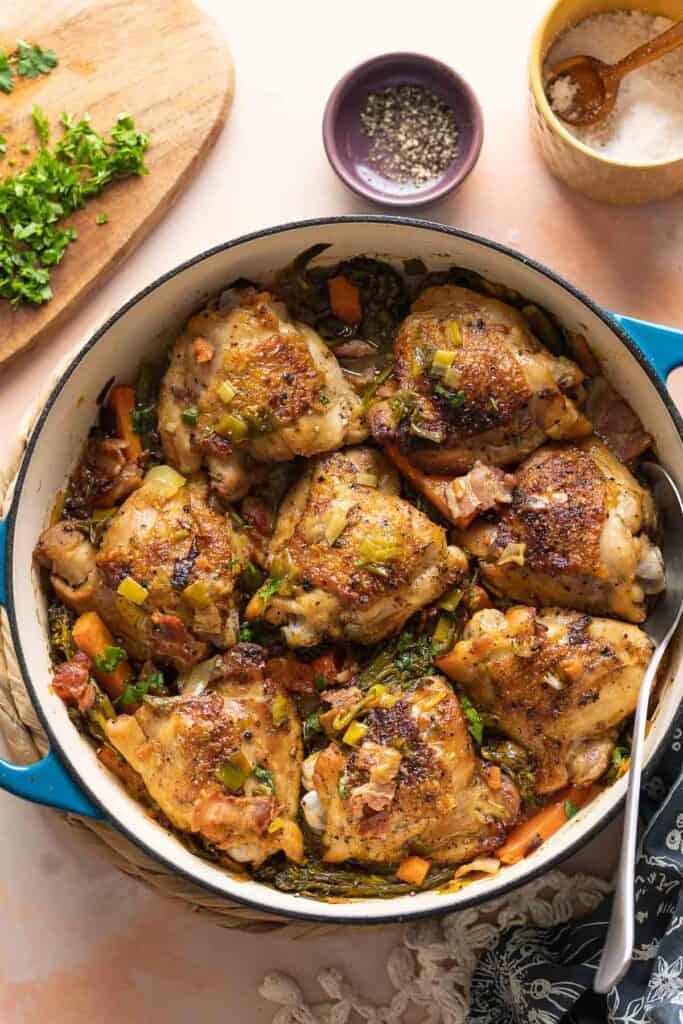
646,124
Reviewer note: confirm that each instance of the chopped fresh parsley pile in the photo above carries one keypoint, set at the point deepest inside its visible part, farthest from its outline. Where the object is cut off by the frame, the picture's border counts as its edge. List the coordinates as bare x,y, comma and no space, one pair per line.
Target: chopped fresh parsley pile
27,61
59,181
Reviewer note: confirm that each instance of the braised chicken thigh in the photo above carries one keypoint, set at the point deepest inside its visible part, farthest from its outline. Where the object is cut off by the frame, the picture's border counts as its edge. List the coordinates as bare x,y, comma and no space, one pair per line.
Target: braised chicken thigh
352,559
558,682
247,386
164,577
412,783
575,535
470,383
226,764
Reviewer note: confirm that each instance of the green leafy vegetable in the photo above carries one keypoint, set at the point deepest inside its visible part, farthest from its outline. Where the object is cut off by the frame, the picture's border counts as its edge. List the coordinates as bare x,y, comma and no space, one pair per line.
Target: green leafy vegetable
33,60
102,218
315,879
3,144
474,722
269,589
34,201
42,125
264,776
455,399
343,790
60,621
401,662
6,79
133,693
570,809
110,658
515,762
246,633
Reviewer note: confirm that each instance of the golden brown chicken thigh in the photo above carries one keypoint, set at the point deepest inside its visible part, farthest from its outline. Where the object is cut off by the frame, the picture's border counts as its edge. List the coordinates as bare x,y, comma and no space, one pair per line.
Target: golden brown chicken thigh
226,764
184,555
351,559
412,784
558,682
575,535
470,383
246,385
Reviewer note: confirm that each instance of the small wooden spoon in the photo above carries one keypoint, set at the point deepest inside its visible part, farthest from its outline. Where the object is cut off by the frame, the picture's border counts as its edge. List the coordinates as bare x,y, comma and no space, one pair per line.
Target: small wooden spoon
594,84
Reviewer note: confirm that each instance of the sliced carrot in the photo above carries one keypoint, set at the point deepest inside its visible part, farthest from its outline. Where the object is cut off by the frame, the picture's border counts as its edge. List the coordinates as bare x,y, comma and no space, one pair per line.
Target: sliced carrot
122,401
203,350
528,836
345,300
433,487
413,870
92,636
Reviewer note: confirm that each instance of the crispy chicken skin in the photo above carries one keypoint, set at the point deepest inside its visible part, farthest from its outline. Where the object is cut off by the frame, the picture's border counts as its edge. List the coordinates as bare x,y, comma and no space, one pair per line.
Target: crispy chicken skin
289,392
166,544
412,784
510,388
558,682
579,516
179,744
357,559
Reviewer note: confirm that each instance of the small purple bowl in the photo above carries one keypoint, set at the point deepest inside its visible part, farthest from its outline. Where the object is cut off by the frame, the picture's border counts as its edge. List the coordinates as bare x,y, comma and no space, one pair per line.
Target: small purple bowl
347,146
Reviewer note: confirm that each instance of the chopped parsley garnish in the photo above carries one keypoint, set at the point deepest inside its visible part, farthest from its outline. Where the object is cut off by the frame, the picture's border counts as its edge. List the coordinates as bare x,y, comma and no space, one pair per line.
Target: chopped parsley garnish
109,659
264,776
474,722
190,415
343,791
34,202
268,591
6,80
570,809
455,399
133,693
246,633
102,218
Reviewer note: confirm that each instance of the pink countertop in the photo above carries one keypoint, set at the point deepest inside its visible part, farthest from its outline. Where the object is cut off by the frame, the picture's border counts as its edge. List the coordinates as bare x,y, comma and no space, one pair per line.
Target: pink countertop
78,940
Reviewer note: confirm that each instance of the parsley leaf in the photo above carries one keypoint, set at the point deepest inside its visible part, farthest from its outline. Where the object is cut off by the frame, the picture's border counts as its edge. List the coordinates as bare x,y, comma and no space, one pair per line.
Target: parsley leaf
343,790
3,144
268,591
264,776
6,79
474,722
133,693
42,125
246,633
102,218
34,61
455,399
109,659
570,809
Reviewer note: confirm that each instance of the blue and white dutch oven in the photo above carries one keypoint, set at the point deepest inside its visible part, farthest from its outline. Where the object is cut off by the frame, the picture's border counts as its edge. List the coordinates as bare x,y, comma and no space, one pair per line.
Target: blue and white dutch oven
637,357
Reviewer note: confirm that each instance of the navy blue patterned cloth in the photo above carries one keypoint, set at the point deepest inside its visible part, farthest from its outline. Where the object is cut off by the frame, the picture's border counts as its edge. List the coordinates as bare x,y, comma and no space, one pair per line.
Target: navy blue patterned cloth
545,975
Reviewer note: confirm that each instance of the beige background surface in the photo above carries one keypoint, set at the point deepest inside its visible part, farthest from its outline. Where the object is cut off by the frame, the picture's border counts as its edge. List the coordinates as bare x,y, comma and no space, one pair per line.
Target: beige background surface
78,941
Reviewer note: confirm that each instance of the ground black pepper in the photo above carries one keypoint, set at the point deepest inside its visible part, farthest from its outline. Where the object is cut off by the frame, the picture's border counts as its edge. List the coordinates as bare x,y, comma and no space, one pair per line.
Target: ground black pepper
413,131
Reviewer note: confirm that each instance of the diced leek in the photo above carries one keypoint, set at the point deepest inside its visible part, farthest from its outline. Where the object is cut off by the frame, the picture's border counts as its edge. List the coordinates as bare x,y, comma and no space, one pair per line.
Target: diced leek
419,428
276,825
376,691
387,700
513,553
367,479
337,521
132,590
451,599
226,392
234,772
379,546
442,361
341,720
444,634
279,710
454,335
164,480
452,377
198,594
355,732
233,427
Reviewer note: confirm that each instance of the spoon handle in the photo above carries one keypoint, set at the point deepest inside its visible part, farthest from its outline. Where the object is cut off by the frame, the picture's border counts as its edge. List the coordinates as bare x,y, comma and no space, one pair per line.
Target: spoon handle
618,949
654,48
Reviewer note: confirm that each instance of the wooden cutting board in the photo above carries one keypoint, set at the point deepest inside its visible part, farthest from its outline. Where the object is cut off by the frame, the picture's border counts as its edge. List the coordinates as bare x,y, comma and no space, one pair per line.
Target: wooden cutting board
162,61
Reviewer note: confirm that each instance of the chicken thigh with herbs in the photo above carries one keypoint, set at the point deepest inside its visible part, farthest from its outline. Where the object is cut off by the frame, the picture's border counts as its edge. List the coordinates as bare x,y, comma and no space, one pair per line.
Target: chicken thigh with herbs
248,386
350,559
164,576
558,682
575,535
410,783
471,382
224,764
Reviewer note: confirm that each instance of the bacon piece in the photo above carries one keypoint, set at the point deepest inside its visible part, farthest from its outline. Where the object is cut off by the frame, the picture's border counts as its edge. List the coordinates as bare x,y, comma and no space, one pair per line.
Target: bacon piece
483,488
615,422
173,640
73,684
382,763
222,818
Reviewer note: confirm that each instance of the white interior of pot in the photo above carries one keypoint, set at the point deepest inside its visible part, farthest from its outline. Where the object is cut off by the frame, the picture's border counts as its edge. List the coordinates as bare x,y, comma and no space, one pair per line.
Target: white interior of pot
138,333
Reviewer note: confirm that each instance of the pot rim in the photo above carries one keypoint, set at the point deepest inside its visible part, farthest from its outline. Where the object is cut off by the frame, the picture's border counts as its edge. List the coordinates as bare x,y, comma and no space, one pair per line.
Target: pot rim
12,515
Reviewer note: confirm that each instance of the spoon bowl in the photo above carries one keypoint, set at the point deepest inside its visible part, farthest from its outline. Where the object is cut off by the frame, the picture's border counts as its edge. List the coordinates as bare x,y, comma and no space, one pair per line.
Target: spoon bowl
592,91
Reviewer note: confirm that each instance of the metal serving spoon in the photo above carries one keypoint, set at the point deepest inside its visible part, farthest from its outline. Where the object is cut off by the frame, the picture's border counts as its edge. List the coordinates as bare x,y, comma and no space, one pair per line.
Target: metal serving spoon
595,84
660,626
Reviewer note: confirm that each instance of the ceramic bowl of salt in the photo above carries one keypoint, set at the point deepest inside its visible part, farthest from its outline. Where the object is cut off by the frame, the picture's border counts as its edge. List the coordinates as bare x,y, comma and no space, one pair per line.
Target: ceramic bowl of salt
636,154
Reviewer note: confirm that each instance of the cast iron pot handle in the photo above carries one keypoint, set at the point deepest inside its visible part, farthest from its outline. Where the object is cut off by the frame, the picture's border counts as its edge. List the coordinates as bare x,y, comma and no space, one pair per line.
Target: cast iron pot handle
46,781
